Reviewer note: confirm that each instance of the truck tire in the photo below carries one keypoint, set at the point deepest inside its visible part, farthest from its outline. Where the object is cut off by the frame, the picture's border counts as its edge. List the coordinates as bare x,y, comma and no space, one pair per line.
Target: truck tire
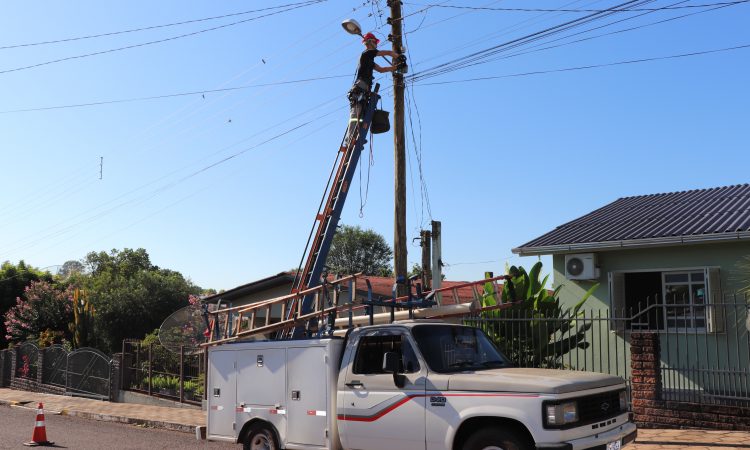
495,439
260,437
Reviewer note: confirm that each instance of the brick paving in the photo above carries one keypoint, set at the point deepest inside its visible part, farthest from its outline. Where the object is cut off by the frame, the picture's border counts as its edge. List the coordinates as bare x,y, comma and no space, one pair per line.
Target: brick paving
690,440
186,419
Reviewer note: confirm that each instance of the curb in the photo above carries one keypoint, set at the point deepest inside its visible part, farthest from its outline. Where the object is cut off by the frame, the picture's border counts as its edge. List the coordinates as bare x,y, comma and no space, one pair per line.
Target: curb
131,421
110,418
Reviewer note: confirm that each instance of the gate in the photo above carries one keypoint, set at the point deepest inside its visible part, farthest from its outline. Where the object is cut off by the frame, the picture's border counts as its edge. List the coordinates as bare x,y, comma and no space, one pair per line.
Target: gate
54,361
88,373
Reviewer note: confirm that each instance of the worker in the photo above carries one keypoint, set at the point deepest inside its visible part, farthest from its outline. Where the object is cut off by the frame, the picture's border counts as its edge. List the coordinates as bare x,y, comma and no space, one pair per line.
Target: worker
364,77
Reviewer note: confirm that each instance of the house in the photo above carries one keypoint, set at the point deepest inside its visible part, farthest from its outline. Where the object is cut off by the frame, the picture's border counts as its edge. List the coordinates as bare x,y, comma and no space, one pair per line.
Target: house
668,264
279,285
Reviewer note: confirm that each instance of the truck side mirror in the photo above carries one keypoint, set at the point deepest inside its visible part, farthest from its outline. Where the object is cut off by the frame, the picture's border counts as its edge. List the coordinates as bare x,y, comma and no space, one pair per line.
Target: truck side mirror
391,362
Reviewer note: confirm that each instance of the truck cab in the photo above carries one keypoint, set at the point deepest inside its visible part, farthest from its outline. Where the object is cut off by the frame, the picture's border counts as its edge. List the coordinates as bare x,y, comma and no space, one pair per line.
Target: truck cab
435,385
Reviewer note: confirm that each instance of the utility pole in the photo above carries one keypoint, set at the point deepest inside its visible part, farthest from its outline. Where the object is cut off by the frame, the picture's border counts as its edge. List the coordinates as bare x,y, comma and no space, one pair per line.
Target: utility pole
437,257
426,244
399,151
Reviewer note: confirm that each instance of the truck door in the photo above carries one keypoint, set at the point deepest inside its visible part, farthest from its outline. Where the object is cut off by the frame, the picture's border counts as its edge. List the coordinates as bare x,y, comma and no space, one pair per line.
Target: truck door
375,413
222,385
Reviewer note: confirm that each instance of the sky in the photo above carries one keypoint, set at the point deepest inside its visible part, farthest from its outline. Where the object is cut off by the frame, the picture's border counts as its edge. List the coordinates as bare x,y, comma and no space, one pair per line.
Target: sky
199,142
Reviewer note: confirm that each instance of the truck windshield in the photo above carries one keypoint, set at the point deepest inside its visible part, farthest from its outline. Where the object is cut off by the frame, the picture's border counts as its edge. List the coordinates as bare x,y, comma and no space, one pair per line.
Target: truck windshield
452,348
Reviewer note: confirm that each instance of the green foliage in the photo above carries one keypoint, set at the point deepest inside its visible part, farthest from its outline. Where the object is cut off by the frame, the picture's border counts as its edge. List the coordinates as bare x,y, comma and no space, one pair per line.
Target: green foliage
13,280
82,326
43,306
131,296
535,331
356,250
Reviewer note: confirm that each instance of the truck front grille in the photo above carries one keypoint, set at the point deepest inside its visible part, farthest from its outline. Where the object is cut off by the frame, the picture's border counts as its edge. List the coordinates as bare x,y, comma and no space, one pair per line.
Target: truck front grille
599,406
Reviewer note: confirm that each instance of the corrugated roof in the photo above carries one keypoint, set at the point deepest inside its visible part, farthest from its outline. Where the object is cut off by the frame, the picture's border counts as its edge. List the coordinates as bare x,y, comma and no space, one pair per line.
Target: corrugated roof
716,213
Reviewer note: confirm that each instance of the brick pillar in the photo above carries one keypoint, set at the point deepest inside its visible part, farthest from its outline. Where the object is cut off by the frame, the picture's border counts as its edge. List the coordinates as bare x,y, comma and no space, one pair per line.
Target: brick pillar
645,360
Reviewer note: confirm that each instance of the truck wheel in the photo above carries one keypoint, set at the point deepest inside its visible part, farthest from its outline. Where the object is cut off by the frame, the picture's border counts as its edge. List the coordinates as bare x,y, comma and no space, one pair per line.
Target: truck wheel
495,439
260,437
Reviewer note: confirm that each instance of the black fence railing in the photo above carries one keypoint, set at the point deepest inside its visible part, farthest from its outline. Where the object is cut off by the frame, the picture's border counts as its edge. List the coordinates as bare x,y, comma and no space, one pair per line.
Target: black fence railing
704,348
5,367
27,357
154,370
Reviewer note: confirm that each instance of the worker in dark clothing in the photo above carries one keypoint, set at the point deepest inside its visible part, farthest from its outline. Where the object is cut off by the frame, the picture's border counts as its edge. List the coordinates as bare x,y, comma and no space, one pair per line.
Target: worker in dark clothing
364,77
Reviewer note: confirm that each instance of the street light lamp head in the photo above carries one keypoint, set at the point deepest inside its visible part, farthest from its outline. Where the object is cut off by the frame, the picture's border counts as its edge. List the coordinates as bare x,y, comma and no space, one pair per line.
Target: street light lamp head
352,27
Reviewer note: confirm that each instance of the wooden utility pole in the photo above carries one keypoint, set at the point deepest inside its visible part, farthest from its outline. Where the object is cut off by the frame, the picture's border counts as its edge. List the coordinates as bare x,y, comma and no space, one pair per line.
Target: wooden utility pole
399,150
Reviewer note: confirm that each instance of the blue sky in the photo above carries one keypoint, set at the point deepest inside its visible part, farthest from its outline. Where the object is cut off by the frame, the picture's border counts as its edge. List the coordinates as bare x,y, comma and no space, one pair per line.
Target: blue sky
190,179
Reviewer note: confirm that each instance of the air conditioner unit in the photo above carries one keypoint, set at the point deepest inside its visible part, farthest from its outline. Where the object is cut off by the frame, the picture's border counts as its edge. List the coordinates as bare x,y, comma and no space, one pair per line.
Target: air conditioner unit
581,266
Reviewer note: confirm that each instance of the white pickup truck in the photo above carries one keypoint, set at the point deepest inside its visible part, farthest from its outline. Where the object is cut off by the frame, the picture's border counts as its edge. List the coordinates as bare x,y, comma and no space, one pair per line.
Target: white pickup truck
403,386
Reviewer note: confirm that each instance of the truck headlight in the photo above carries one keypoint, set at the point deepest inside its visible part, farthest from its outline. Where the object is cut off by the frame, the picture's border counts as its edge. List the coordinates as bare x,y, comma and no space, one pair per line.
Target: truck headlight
623,401
560,414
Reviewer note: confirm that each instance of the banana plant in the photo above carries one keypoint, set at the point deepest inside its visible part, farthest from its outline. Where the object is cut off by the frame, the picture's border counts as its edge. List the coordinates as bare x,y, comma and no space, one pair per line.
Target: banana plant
535,331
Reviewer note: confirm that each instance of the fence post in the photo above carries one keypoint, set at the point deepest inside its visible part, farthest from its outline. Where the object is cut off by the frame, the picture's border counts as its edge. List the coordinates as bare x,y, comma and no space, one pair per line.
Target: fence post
150,361
122,367
182,373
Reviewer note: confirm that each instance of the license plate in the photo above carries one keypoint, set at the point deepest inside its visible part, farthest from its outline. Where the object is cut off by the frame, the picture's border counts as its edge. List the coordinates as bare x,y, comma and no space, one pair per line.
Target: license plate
616,445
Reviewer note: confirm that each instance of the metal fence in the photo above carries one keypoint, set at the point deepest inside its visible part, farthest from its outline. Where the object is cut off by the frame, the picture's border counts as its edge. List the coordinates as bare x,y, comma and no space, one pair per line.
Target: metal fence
704,349
27,357
154,370
88,373
5,367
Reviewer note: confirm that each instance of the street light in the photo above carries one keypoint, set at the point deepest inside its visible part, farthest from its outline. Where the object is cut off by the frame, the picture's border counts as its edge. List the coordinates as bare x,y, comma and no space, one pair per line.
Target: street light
352,27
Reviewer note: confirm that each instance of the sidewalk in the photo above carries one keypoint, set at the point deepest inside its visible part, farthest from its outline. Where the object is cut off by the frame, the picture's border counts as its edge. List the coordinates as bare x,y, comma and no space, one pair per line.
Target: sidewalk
182,419
179,419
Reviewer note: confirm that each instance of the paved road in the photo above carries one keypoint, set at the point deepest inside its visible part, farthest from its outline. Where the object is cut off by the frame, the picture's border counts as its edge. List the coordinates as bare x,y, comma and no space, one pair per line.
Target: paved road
17,426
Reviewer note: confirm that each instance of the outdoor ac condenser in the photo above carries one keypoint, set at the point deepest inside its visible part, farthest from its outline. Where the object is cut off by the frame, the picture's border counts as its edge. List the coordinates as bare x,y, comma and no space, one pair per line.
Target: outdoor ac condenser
581,266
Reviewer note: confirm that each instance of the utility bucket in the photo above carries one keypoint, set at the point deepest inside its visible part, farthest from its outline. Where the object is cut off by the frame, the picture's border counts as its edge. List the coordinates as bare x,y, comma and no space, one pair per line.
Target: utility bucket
380,122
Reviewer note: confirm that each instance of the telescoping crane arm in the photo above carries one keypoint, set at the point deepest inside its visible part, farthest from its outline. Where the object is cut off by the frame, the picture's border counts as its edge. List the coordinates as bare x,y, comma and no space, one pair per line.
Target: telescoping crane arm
329,211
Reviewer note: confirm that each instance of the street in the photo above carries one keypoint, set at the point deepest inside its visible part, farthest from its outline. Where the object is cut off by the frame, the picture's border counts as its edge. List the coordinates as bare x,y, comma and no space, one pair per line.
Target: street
76,433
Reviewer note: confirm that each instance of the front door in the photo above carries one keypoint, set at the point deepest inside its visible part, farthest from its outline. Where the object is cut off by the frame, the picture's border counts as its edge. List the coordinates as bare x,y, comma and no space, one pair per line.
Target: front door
374,412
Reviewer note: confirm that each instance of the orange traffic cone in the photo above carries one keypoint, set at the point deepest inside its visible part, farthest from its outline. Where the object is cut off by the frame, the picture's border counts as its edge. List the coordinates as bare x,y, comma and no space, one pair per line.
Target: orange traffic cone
40,432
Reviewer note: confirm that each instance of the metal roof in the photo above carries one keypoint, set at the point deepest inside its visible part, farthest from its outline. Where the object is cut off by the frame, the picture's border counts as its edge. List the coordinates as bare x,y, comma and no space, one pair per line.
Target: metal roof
714,214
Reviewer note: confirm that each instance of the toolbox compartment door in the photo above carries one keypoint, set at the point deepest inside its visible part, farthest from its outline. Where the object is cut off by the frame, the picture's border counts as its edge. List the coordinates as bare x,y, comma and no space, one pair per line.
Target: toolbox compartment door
307,396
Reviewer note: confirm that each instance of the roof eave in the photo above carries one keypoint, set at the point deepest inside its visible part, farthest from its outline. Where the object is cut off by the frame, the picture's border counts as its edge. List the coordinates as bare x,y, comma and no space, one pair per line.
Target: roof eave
631,243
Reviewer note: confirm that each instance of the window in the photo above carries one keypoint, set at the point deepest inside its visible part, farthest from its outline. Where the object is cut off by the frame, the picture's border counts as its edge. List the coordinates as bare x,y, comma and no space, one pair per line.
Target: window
372,347
685,300
452,348
673,300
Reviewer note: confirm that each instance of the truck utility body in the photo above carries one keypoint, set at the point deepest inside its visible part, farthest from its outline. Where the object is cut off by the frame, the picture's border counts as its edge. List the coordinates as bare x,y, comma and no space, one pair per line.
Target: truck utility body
402,386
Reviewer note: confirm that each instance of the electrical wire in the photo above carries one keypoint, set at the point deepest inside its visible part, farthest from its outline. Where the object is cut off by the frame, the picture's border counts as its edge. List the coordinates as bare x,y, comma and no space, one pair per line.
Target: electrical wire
159,41
592,66
178,94
479,8
154,27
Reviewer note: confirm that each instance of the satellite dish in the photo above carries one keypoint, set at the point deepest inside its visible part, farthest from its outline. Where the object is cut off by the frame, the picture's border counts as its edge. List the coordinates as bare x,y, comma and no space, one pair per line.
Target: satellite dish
184,329
352,27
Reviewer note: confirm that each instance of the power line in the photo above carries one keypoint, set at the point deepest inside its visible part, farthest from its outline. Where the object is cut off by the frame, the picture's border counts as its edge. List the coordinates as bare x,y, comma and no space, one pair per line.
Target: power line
160,41
593,66
480,8
134,30
179,94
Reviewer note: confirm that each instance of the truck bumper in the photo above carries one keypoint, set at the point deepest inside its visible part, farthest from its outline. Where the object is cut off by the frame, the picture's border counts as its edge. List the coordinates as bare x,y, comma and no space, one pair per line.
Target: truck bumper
626,433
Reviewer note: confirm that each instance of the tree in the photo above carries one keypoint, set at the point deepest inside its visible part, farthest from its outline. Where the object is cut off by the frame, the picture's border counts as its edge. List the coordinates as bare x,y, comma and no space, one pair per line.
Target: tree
44,307
70,268
355,250
13,280
131,296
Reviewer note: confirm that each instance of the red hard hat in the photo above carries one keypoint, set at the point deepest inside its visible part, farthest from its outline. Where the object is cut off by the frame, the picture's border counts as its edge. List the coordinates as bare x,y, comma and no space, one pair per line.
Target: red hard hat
370,37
